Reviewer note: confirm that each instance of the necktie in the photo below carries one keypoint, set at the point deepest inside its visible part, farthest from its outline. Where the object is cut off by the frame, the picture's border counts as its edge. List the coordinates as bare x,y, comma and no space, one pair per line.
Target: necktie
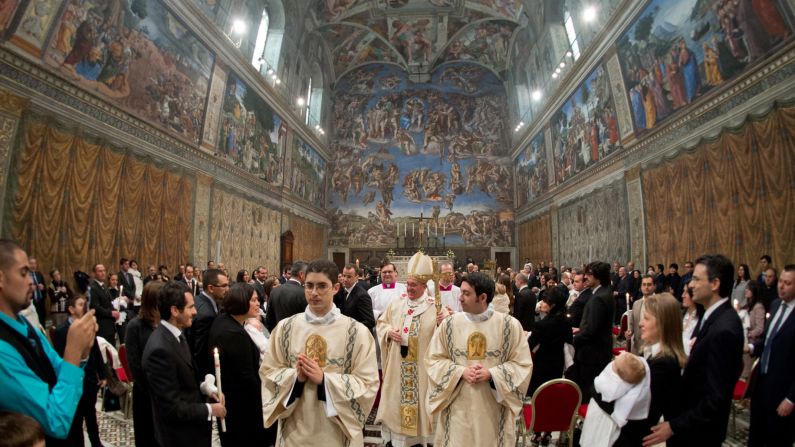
36,291
183,342
769,340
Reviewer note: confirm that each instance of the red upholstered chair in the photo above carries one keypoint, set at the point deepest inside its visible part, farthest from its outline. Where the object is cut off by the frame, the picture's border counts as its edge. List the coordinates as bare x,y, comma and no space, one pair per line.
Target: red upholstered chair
125,365
737,396
553,408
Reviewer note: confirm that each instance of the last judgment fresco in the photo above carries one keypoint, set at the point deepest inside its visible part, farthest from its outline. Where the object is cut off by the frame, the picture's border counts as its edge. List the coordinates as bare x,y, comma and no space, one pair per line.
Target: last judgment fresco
420,163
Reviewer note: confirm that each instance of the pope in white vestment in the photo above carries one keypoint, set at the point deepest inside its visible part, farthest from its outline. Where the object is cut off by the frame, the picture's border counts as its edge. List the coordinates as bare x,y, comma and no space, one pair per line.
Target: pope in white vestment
404,331
479,367
319,375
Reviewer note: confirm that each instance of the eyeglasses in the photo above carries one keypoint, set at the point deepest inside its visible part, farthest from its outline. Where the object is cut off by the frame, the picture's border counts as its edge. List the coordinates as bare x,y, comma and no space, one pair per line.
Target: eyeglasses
320,287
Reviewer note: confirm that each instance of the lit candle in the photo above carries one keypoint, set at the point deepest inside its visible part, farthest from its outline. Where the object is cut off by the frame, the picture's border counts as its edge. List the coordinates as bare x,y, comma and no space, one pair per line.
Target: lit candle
436,228
628,307
412,229
737,305
444,228
217,359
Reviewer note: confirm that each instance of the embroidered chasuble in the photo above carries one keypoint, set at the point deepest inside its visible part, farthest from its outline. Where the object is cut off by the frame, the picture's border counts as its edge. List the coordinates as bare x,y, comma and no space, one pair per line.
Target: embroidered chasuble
402,408
477,415
345,349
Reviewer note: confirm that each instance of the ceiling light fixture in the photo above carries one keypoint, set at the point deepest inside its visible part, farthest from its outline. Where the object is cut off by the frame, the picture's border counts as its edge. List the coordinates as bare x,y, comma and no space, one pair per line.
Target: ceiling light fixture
589,14
554,75
568,54
238,26
562,64
300,101
537,95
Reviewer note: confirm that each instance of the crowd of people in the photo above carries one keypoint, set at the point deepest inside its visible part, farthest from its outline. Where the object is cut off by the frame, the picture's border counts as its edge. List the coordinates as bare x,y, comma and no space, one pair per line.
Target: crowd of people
442,357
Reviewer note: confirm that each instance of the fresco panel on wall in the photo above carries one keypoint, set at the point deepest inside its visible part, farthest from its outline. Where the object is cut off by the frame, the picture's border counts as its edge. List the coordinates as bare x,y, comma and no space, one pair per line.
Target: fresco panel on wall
531,170
309,173
142,59
585,128
402,149
676,51
251,135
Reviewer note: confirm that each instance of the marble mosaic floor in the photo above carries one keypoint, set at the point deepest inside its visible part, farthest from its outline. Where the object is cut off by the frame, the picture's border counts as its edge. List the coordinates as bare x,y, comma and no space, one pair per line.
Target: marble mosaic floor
116,431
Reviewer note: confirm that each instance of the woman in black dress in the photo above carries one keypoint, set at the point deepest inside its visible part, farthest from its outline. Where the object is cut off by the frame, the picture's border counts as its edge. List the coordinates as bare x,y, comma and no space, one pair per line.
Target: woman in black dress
138,332
546,341
661,330
240,359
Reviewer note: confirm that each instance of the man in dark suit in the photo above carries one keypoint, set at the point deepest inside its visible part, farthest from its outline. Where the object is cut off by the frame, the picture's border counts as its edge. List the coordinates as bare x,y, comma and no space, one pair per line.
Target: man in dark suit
126,279
524,308
38,290
100,300
620,293
93,379
288,299
190,280
577,307
773,399
593,340
181,417
715,362
260,275
208,304
353,299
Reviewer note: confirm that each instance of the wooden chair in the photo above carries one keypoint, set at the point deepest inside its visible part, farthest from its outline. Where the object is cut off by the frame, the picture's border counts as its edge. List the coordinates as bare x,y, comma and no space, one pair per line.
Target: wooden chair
553,408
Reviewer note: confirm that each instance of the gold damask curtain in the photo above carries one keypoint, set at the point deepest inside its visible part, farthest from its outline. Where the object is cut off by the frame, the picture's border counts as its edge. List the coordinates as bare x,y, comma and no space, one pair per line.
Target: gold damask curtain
732,196
78,203
309,237
535,239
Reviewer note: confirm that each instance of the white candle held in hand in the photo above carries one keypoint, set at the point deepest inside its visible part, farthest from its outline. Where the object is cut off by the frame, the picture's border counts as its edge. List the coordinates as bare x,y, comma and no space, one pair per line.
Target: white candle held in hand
217,359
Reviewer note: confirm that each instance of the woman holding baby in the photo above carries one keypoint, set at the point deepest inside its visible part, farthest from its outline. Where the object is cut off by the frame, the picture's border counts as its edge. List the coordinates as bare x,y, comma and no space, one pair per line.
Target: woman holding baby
661,330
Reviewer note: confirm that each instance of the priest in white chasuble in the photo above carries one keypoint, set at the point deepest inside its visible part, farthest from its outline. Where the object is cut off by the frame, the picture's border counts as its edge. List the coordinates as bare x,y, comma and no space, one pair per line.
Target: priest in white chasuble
404,331
479,367
388,291
319,377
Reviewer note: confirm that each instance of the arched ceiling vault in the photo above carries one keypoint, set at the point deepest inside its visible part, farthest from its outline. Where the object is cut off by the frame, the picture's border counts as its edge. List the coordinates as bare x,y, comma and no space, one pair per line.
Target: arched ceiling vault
421,35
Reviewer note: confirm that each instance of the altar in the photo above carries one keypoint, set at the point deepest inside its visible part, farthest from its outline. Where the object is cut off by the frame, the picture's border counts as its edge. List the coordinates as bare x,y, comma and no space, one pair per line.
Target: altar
402,262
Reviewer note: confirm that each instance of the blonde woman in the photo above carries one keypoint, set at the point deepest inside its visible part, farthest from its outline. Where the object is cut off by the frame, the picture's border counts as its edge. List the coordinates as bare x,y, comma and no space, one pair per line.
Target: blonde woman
501,302
661,330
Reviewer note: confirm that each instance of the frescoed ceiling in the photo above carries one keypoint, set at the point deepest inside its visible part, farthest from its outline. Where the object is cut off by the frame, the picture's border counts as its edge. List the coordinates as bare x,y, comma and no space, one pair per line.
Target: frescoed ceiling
420,35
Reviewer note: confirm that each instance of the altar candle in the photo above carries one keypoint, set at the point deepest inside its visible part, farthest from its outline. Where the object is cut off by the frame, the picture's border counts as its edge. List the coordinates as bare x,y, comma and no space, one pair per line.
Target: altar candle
436,228
444,228
217,359
412,229
737,305
628,307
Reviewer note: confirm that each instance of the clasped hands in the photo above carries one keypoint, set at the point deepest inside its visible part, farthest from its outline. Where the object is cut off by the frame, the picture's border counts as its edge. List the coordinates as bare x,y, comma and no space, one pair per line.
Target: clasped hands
476,373
308,368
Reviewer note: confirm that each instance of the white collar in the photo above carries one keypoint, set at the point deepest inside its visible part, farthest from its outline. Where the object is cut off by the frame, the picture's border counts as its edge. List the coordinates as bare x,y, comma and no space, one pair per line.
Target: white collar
329,318
524,286
712,309
652,351
171,328
483,316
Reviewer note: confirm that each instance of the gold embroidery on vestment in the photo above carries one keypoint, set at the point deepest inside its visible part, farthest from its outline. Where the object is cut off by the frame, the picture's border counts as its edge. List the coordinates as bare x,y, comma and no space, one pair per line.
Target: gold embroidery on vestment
476,346
317,349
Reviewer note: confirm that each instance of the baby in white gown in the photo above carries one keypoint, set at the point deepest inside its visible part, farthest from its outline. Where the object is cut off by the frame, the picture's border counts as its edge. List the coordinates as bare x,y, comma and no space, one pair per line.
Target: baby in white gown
622,393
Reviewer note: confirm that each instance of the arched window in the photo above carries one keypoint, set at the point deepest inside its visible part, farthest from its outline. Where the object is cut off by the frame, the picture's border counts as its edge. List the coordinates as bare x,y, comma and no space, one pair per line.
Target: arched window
268,46
571,33
315,96
257,58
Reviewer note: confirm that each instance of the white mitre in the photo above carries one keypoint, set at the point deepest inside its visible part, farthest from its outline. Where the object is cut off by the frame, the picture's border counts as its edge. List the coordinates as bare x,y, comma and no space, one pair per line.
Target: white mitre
420,267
